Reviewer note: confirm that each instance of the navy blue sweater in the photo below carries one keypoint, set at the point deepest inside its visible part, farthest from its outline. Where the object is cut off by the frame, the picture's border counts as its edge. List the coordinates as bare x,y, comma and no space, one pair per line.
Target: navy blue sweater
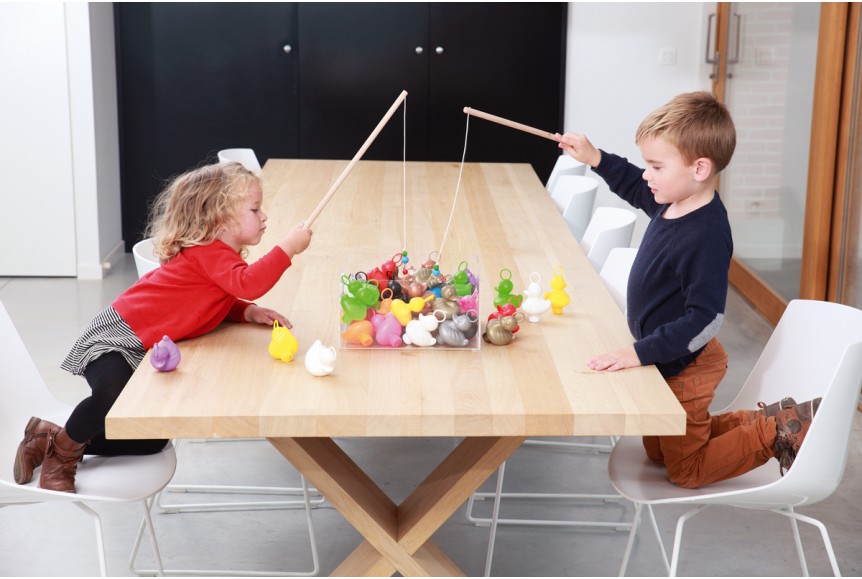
677,288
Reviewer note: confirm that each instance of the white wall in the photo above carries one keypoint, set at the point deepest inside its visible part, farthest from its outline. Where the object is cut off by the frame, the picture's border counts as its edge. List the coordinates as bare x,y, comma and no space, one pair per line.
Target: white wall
614,78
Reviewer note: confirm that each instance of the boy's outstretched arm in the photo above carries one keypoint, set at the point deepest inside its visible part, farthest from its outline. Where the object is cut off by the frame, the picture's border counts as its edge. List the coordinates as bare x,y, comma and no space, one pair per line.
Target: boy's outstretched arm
580,148
616,360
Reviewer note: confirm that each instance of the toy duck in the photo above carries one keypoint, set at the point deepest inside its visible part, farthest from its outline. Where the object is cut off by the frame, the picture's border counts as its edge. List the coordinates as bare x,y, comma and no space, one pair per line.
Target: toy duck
504,291
165,356
320,360
447,303
534,305
559,298
283,345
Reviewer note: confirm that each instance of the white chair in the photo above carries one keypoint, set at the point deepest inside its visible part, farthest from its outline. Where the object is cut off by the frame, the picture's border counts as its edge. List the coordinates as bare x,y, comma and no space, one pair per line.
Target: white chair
565,165
145,260
145,263
815,350
609,227
615,273
574,196
244,156
121,479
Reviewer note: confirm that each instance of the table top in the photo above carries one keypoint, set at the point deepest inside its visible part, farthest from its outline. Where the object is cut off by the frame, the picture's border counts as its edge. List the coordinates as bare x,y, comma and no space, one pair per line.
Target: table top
228,386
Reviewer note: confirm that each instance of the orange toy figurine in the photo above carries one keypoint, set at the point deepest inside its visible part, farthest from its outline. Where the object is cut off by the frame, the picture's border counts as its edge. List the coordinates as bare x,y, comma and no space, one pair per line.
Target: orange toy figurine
361,333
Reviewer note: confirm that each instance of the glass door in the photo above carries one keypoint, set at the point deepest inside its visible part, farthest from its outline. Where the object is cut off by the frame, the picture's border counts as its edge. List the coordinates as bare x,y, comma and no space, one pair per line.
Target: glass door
764,60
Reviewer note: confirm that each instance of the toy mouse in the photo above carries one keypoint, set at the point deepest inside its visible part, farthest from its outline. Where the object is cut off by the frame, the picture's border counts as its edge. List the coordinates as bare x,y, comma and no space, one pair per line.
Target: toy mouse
165,356
320,360
418,331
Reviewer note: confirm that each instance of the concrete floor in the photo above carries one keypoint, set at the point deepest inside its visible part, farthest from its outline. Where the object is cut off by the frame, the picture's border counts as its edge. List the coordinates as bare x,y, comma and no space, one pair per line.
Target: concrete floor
57,539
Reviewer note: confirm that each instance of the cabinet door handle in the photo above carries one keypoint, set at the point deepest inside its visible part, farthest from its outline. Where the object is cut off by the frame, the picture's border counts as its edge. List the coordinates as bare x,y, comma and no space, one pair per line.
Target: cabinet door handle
287,48
419,50
439,50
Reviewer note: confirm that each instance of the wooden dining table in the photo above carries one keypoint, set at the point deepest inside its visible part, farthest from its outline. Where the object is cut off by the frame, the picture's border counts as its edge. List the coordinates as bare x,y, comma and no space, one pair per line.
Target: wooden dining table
491,397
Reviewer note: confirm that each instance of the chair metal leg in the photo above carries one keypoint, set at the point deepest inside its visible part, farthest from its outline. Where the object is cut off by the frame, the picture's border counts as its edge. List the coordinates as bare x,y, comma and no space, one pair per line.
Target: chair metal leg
658,538
677,540
231,573
631,541
494,519
823,533
591,446
100,540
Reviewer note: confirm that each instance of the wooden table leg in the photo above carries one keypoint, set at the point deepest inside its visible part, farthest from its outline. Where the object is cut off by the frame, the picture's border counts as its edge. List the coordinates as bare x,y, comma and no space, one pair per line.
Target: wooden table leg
397,537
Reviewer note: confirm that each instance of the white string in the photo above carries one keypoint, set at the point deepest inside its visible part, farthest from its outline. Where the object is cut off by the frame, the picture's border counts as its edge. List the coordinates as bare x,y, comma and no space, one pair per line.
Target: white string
457,188
404,178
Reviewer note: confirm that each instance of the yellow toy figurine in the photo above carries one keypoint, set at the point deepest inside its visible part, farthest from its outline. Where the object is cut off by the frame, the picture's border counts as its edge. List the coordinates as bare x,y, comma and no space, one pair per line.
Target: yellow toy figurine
283,345
559,298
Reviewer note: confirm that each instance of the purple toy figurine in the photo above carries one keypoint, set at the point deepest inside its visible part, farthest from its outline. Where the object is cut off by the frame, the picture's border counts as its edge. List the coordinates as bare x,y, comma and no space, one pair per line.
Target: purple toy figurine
165,355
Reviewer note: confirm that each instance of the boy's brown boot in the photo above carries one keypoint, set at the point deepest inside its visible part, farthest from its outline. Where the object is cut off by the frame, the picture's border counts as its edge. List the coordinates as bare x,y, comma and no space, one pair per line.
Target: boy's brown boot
31,451
61,463
791,426
774,408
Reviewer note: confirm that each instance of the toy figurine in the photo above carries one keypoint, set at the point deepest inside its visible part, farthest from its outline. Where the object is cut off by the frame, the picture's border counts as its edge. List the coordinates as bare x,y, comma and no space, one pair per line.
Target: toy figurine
404,311
447,303
504,311
387,330
461,280
385,302
499,331
360,332
360,296
504,291
559,298
320,360
450,335
418,331
467,323
165,356
534,305
283,345
470,302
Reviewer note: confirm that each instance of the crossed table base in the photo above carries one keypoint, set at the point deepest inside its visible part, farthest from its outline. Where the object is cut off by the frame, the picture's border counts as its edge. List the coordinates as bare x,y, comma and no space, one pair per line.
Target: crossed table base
397,537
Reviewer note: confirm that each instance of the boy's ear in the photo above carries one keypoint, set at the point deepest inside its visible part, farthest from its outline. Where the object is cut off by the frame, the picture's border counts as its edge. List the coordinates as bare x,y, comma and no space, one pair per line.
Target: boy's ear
703,169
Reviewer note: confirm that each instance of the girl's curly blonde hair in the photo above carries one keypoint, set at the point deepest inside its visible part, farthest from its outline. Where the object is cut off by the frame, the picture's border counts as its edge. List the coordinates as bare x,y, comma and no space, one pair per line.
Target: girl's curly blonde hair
196,207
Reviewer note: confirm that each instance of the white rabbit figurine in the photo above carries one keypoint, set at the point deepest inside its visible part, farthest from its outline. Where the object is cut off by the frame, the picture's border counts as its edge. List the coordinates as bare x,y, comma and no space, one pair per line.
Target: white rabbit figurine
418,332
534,305
320,360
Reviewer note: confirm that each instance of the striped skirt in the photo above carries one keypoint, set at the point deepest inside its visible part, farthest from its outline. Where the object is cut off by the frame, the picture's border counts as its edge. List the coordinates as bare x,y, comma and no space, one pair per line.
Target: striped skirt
108,332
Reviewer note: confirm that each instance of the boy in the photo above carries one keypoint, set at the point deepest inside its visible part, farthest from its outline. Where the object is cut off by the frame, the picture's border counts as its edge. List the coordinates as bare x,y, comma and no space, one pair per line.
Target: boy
678,287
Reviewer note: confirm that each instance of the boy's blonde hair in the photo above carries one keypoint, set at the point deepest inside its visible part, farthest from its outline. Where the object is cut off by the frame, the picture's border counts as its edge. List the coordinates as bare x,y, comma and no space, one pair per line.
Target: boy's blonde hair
196,207
697,125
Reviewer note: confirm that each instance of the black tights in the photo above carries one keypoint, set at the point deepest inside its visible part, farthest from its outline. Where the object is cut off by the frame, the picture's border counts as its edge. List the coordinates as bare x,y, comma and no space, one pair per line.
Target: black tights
107,375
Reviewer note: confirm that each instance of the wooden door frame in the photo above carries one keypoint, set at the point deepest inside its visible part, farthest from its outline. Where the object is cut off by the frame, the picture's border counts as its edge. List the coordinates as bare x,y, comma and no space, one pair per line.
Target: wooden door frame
826,166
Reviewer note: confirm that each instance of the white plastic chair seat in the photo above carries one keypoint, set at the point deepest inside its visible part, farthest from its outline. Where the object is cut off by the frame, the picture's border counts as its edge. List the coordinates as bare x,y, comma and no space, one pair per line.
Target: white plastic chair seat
145,259
615,273
574,196
565,165
609,227
246,157
815,350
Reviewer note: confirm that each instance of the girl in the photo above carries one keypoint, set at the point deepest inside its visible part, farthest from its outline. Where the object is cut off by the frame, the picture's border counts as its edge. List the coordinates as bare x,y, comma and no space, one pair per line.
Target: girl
201,225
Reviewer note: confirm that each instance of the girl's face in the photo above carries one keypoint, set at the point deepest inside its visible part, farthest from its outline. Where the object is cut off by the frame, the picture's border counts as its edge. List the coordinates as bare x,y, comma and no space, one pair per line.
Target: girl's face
249,226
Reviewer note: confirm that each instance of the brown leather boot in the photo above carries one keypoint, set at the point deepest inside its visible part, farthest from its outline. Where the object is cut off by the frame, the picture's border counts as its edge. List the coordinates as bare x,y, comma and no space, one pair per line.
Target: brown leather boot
31,451
791,426
61,463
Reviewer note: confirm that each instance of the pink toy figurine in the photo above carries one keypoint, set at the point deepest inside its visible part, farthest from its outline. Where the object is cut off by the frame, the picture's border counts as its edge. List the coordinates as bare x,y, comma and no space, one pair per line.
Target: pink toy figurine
165,355
387,330
470,302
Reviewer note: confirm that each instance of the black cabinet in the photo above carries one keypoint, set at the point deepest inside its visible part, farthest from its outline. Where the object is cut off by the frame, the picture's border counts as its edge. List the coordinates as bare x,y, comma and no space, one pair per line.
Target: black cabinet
312,80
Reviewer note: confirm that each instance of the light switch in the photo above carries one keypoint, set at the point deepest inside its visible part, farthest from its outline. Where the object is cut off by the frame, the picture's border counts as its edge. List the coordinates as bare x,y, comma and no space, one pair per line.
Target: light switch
667,56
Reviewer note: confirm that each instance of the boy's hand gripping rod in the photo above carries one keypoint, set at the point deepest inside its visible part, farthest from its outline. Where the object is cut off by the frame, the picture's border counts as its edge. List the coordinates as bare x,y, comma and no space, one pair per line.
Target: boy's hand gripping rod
362,149
511,124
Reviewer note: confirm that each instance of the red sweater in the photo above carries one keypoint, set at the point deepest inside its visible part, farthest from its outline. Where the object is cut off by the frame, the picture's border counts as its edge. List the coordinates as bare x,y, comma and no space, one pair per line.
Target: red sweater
197,290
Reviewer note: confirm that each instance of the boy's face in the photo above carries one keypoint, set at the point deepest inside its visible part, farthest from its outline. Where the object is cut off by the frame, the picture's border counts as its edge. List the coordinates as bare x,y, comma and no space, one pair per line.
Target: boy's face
669,177
249,226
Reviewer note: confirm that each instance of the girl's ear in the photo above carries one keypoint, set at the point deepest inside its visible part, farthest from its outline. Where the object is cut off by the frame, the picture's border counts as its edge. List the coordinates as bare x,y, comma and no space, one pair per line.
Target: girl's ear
703,169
